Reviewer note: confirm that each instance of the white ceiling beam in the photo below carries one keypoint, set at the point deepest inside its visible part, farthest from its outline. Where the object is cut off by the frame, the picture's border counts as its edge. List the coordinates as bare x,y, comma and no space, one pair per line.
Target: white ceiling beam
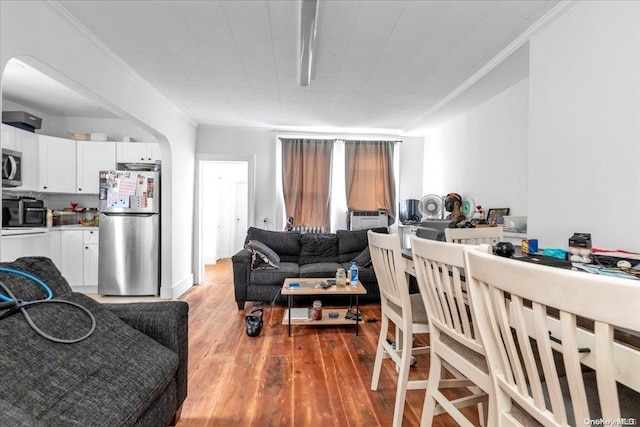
308,22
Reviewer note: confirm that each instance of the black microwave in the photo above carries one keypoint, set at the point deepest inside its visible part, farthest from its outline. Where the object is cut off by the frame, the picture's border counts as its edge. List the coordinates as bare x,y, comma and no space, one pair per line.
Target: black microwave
11,168
23,212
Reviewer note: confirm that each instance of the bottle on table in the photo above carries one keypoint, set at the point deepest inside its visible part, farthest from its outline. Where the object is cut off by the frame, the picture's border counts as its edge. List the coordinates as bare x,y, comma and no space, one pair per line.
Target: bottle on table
341,278
353,274
316,310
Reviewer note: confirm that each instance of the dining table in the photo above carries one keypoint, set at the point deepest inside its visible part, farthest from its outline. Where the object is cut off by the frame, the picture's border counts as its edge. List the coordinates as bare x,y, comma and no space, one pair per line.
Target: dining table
626,345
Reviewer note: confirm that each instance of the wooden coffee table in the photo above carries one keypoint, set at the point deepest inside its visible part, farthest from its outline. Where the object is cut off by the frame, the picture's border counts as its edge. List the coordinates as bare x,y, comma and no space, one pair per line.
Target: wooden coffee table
306,287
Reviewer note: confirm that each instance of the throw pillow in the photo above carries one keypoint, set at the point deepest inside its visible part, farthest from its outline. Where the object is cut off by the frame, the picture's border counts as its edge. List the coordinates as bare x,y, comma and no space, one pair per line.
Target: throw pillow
262,256
363,259
318,248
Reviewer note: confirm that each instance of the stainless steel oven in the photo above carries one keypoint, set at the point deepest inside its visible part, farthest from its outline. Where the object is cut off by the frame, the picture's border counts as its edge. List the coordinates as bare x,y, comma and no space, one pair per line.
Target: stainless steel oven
11,168
23,212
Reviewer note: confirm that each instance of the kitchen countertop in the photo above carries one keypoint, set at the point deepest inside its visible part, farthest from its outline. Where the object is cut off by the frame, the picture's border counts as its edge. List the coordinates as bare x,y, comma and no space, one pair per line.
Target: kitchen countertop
75,227
18,231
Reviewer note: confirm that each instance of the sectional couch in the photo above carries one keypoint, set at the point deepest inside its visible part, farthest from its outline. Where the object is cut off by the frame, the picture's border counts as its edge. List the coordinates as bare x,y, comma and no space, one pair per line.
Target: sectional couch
257,278
132,370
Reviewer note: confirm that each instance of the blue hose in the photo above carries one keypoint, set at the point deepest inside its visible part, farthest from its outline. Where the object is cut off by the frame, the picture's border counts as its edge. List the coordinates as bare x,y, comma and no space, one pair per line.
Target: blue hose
28,276
19,305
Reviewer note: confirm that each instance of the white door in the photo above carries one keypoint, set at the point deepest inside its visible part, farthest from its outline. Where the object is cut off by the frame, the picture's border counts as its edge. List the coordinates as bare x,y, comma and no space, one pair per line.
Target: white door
241,216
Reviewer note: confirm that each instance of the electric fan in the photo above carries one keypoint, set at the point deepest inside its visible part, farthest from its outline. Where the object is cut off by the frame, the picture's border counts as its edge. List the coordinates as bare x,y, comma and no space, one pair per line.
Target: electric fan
468,207
431,207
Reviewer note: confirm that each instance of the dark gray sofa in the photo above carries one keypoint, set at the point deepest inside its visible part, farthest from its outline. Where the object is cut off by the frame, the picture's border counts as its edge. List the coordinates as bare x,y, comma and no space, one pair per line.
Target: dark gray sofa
301,255
131,371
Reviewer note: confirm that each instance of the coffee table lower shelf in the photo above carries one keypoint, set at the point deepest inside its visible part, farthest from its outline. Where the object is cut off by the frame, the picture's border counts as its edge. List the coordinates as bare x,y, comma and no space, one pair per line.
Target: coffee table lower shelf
326,320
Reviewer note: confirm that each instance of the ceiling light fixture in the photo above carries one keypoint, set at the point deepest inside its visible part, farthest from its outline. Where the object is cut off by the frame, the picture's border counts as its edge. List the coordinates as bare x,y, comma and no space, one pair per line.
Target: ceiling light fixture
308,21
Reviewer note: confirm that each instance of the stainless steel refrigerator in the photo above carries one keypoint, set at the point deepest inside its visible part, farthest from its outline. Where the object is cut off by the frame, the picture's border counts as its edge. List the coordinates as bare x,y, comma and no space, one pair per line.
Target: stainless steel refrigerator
129,257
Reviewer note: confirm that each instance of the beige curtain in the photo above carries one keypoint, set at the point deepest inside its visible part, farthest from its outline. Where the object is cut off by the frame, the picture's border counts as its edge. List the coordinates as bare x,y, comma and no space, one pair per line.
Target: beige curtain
306,181
369,176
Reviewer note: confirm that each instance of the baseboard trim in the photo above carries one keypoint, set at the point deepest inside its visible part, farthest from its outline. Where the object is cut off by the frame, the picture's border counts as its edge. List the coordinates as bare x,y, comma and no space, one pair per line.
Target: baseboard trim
177,289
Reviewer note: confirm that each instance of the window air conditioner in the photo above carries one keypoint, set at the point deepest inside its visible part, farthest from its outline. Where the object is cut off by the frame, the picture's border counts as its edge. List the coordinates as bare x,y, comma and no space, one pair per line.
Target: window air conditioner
363,220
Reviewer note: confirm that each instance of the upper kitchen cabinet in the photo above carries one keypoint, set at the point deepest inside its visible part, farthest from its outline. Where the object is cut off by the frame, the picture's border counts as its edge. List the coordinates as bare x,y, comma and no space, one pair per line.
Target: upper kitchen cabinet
92,157
27,144
57,172
138,152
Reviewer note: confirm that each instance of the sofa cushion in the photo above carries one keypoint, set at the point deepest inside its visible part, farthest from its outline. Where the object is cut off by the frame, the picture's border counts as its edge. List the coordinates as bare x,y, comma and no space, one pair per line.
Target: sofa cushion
351,243
40,267
320,269
275,277
285,243
363,259
262,256
110,378
318,247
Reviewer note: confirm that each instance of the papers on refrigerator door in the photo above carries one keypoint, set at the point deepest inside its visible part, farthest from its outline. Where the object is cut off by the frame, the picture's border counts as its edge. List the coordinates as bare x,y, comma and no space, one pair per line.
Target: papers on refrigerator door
117,200
123,189
127,186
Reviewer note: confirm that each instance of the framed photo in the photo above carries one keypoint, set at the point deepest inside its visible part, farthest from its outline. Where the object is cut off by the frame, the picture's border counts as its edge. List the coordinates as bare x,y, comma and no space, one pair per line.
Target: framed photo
494,214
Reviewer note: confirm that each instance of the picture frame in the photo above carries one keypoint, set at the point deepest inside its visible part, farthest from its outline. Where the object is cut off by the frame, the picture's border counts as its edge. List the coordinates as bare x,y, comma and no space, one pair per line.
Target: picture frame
495,213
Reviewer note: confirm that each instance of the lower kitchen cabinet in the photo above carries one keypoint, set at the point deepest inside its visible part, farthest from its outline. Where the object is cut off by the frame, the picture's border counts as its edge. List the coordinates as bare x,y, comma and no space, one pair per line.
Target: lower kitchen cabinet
71,257
90,258
78,258
17,246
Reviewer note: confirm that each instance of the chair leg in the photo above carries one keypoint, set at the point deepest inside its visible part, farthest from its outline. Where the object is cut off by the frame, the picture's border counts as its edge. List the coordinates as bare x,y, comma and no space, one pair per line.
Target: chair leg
435,375
377,365
403,377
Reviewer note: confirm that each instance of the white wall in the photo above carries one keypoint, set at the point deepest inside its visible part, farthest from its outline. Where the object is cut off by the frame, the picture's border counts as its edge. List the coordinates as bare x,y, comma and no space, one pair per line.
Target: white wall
562,146
483,153
242,143
585,126
40,34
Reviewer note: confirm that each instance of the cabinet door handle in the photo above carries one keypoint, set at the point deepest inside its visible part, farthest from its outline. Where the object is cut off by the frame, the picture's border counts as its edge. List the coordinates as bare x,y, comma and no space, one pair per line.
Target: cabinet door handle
79,189
141,158
86,247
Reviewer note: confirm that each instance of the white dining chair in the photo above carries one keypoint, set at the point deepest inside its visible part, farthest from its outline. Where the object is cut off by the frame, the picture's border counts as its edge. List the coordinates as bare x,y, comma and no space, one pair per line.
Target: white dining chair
455,343
407,313
474,236
514,301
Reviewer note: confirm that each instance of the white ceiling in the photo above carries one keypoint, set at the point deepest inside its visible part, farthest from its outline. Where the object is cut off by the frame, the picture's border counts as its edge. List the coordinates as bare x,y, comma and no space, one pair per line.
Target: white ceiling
380,65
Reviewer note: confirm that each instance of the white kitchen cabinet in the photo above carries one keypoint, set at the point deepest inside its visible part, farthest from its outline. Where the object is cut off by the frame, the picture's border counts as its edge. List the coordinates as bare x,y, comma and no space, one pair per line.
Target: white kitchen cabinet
26,143
57,172
54,248
138,152
91,158
90,258
16,246
72,256
77,250
8,137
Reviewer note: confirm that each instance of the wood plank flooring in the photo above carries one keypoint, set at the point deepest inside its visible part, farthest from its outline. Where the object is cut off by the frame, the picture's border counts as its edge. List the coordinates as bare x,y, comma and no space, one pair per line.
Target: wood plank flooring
319,376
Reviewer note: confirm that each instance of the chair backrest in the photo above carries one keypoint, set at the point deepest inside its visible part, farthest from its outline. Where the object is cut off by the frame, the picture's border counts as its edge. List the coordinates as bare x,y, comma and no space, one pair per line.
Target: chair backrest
474,236
511,301
386,256
439,268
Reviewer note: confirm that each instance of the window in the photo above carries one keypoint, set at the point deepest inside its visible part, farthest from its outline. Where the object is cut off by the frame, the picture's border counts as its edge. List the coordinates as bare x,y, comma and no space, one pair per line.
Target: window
306,181
323,179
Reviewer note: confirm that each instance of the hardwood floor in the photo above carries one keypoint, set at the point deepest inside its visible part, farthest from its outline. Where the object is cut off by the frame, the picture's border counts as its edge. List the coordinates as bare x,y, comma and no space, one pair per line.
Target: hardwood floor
319,376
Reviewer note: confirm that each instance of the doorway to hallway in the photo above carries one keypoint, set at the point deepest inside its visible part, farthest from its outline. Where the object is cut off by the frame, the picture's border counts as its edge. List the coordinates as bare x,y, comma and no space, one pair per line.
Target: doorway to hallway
224,207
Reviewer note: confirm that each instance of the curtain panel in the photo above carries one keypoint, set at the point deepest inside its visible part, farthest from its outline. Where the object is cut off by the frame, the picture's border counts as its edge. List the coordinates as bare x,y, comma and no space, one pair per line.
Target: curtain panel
306,180
370,183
